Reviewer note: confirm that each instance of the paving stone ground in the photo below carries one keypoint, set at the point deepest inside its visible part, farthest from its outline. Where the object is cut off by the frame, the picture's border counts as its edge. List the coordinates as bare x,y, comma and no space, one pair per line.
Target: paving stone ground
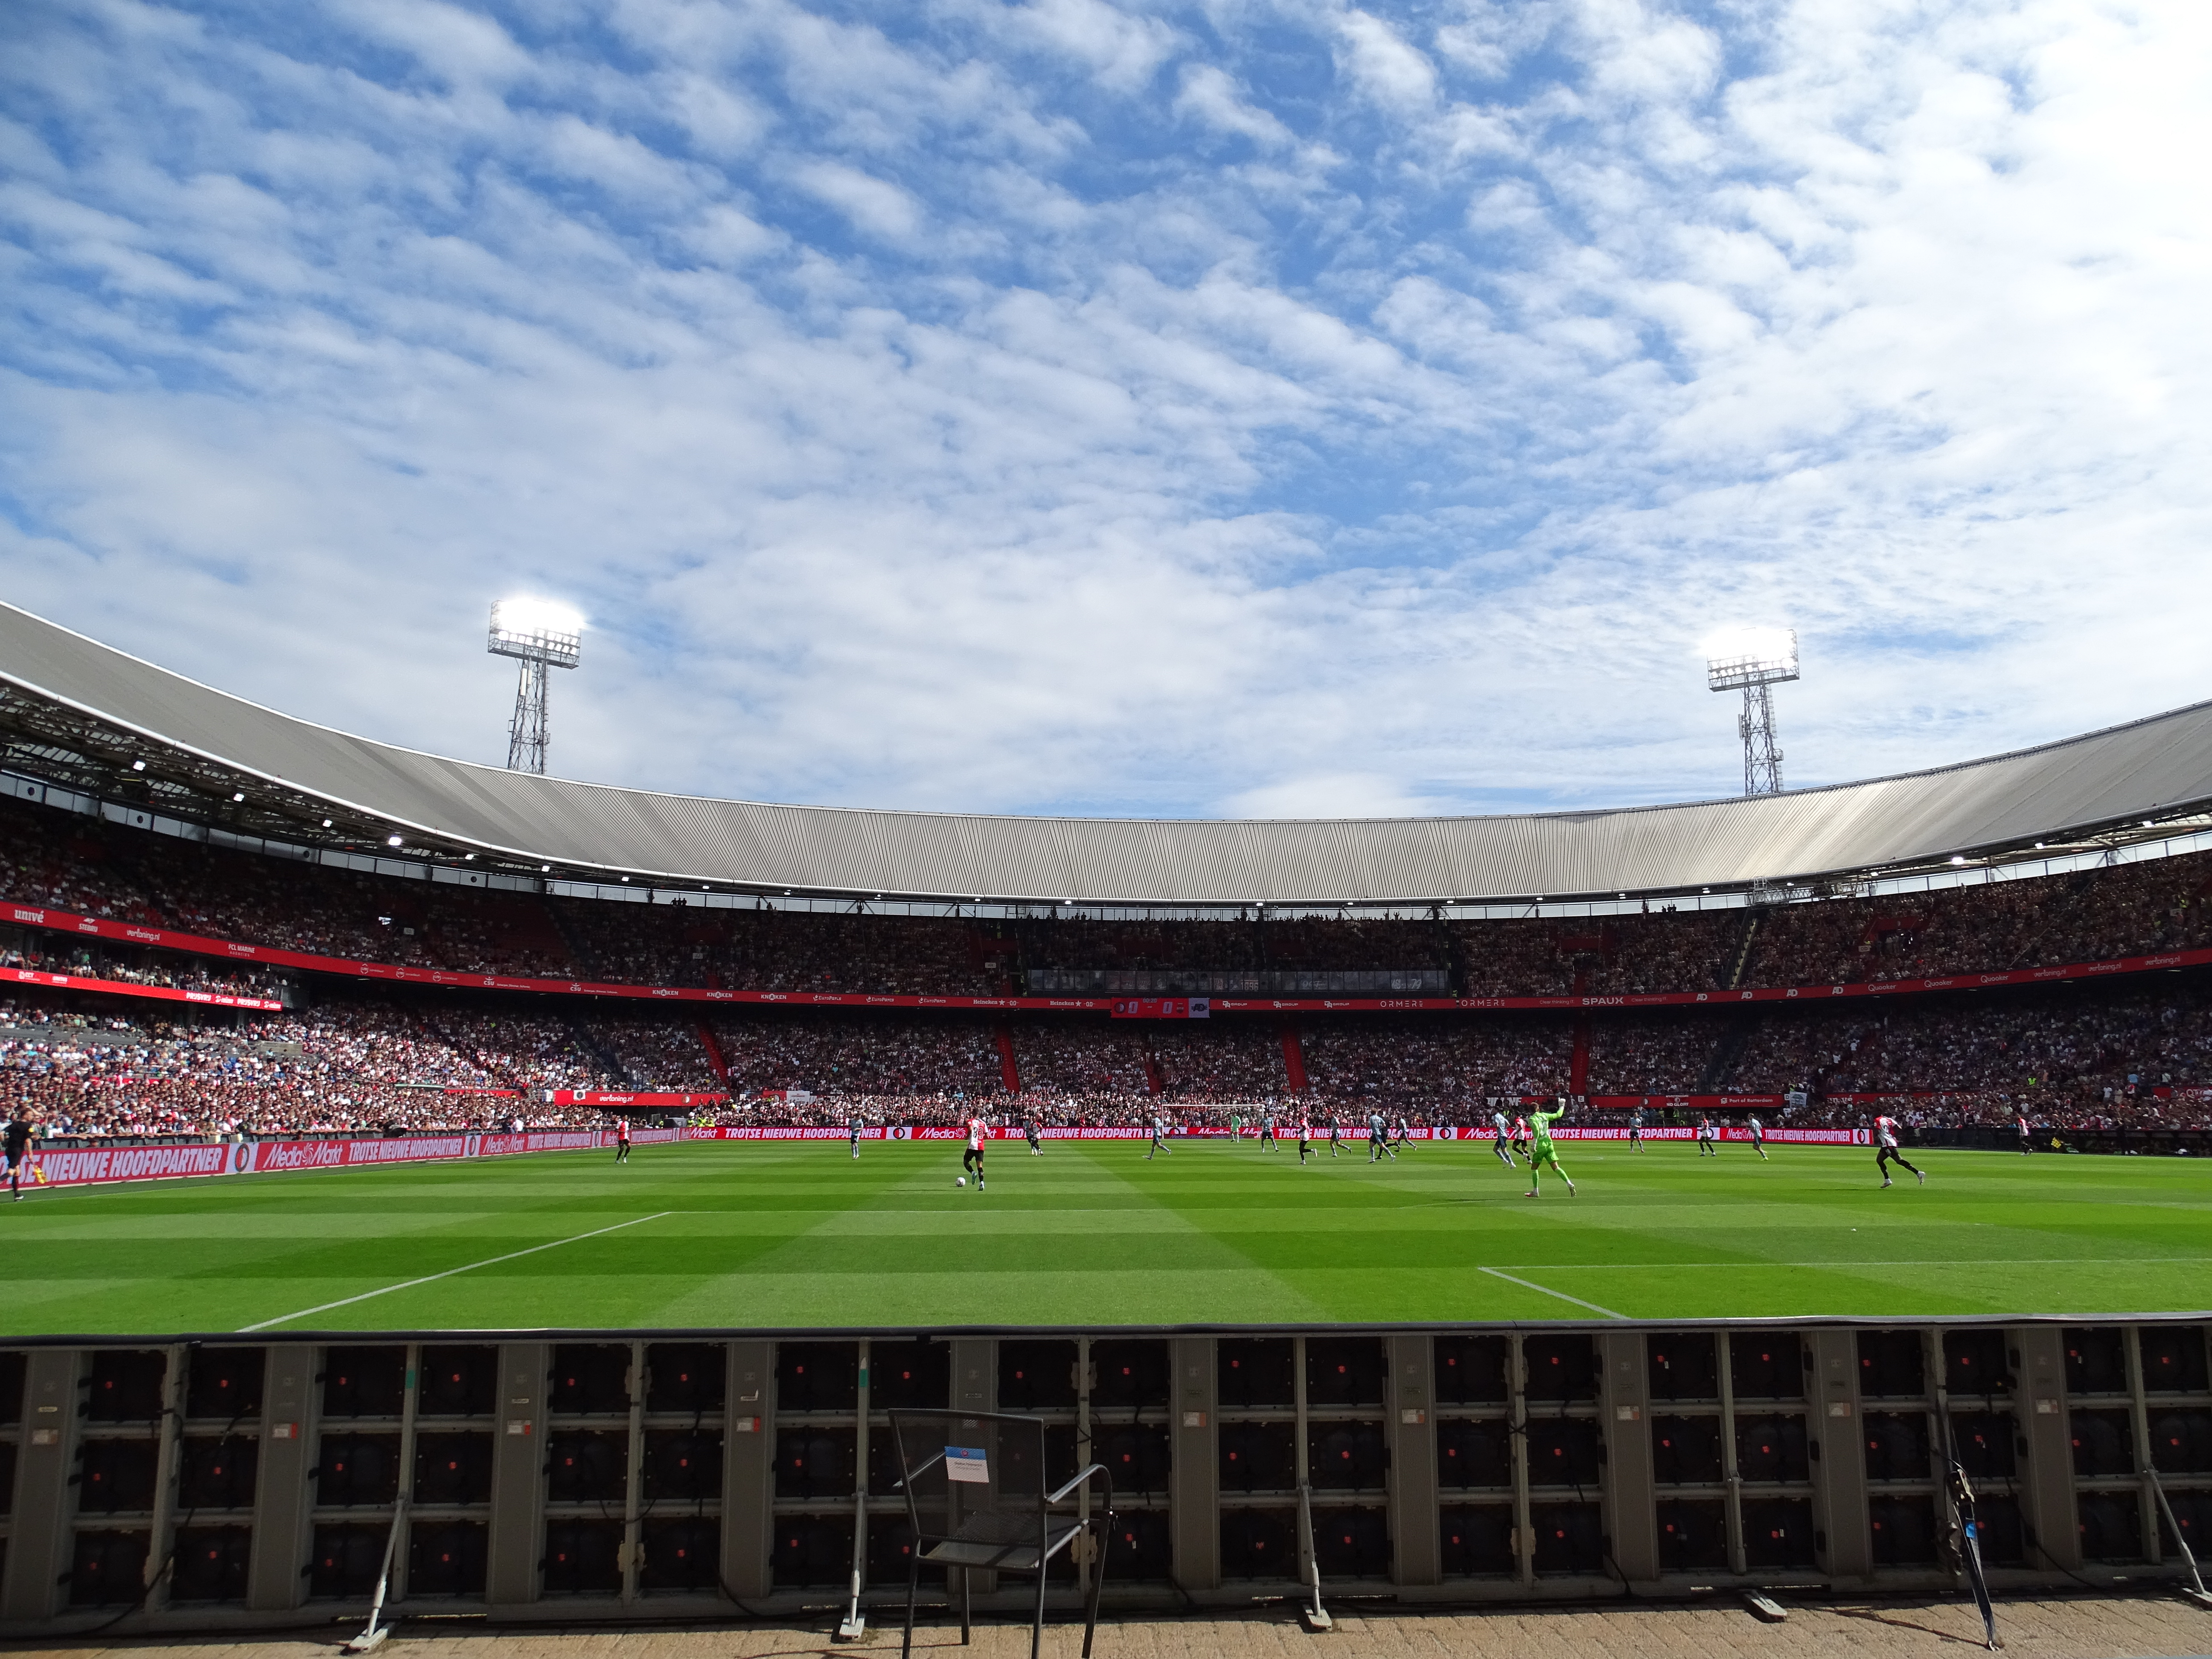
2074,1627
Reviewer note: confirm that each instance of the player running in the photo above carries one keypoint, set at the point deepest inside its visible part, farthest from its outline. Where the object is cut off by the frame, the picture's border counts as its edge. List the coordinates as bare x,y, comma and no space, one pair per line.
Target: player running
1378,1139
1029,1130
2021,1124
1635,1130
1758,1139
622,1140
1520,1136
973,1158
1335,1134
1400,1129
17,1142
1305,1136
1500,1146
1159,1139
1886,1153
1706,1143
1542,1152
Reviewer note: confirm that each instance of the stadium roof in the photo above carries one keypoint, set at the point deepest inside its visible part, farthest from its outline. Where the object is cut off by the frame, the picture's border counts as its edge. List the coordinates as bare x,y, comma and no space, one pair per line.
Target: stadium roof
74,704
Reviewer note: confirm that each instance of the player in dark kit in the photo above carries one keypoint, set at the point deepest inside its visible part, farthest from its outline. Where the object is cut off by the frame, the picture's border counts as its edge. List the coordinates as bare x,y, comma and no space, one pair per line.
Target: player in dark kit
18,1144
1884,1134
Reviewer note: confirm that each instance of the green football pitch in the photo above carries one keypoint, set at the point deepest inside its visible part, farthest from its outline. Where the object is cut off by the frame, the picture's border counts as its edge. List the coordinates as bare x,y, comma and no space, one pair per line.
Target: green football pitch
732,1234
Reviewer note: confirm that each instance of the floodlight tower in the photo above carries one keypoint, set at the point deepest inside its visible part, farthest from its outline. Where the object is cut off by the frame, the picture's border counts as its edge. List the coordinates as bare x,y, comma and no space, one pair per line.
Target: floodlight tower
1755,662
539,635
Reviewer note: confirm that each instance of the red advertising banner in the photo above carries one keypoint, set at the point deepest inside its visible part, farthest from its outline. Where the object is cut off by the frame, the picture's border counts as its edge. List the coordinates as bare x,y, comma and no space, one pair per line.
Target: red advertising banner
81,1166
76,1166
68,921
1726,1131
124,987
599,1097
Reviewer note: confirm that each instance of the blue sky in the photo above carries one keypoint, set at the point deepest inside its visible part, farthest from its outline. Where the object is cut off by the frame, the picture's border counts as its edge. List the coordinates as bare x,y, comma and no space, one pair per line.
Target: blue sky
1209,409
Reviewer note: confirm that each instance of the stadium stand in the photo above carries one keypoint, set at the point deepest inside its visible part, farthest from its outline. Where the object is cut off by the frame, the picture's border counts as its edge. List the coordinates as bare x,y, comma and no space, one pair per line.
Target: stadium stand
202,1049
341,1058
101,870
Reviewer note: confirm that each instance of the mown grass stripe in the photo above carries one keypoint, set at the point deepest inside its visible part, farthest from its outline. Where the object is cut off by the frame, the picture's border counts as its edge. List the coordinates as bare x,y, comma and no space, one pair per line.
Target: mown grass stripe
428,1279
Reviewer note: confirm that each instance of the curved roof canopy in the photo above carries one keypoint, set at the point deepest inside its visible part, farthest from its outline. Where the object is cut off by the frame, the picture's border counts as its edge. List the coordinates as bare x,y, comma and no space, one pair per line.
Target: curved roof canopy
60,691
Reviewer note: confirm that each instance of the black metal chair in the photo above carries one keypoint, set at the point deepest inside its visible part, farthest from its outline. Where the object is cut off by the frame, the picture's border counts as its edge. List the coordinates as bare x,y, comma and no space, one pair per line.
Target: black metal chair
976,1501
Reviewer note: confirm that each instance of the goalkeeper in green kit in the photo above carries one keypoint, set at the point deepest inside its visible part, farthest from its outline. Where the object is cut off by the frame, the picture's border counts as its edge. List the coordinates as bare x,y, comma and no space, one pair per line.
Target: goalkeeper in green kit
1540,1150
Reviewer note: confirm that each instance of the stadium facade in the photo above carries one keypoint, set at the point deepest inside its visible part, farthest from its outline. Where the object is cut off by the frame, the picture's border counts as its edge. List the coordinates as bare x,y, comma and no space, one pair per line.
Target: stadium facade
82,714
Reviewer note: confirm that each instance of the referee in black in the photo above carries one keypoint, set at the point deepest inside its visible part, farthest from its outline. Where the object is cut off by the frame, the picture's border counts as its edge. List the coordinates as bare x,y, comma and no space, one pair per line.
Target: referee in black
17,1141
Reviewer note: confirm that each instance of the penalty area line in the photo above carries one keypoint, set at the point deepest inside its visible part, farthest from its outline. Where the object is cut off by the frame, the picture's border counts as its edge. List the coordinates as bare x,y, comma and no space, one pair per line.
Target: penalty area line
1529,1283
428,1279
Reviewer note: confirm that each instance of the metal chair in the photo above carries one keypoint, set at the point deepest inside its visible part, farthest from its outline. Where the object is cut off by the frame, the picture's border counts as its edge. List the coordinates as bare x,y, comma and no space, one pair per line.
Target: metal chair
977,1502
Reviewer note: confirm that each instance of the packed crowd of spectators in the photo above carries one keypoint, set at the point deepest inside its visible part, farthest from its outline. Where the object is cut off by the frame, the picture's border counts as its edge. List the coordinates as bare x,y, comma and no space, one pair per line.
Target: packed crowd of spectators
2109,1042
2086,915
763,950
136,876
120,874
829,1055
1649,1053
37,951
366,1067
1391,1062
2138,1052
2098,1056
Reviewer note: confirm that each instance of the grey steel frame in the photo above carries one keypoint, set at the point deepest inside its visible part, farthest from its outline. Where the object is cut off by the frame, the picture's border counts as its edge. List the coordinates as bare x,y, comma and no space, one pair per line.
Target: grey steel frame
993,1540
2036,1411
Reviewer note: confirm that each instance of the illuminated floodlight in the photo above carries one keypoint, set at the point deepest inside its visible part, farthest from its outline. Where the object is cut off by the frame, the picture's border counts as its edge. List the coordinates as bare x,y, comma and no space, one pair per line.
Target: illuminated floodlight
1754,660
1739,657
539,633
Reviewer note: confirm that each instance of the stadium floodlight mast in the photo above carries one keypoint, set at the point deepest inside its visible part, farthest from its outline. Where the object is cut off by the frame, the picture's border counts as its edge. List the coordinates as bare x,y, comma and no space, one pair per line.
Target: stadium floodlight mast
1754,660
539,633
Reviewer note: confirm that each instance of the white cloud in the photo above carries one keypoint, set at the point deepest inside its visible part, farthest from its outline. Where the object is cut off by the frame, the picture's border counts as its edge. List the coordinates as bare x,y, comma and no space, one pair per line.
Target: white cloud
1396,464
873,204
1209,96
1383,64
1122,49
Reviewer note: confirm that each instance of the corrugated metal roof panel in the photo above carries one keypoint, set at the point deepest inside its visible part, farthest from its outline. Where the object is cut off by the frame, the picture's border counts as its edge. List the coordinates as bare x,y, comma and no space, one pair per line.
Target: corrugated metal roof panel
2156,766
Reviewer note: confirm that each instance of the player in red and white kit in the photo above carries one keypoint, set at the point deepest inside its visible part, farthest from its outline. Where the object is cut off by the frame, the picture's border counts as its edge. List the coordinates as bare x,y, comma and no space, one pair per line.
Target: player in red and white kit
2026,1135
972,1159
1884,1134
1520,1137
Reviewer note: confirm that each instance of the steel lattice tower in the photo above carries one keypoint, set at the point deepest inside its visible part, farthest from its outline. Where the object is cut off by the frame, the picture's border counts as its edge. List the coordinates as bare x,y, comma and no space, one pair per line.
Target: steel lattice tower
538,637
1755,674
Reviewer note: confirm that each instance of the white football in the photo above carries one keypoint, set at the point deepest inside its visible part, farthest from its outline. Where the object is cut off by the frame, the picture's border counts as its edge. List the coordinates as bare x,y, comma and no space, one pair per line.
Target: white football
960,1181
